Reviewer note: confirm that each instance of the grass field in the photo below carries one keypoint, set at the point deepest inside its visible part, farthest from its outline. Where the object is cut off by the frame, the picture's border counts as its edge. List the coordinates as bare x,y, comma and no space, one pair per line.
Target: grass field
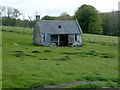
28,66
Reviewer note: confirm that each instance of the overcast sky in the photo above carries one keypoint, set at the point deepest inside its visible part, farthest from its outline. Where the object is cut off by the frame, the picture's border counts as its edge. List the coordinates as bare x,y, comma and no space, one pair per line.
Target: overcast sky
56,7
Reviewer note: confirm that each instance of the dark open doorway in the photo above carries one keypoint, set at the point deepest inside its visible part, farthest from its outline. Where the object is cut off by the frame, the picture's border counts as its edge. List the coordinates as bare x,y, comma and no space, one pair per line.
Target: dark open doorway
64,40
60,40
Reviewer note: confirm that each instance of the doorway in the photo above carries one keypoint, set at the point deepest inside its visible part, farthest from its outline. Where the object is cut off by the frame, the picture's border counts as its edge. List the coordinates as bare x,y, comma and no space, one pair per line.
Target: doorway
64,40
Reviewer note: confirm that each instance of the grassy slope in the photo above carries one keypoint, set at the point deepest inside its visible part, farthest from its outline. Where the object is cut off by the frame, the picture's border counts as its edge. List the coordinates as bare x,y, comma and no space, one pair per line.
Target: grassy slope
22,68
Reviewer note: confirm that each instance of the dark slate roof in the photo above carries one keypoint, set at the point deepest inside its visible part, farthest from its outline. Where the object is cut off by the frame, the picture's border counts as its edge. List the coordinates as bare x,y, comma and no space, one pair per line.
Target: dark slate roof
59,27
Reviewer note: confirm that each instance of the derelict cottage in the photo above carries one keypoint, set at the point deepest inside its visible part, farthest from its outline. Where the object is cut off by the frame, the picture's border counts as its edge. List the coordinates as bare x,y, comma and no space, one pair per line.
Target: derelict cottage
57,32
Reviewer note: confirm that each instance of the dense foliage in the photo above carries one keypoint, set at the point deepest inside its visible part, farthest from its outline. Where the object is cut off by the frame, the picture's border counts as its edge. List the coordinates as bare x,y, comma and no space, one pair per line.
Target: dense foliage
110,23
63,16
8,21
89,19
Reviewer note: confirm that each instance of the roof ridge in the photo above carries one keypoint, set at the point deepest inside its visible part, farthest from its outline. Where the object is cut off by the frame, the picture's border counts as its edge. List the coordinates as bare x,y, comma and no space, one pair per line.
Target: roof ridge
57,20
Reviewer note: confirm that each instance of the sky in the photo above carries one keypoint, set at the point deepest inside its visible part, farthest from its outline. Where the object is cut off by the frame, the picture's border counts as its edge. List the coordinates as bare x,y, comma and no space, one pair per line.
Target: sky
56,7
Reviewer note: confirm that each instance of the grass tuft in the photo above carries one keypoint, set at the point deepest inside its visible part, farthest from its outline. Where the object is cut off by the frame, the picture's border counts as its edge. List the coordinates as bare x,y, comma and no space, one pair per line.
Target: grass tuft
35,51
47,50
20,54
44,58
63,58
107,55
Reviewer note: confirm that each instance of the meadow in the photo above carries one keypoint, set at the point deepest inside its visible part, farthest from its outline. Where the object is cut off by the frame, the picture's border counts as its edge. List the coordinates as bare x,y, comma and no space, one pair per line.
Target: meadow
27,66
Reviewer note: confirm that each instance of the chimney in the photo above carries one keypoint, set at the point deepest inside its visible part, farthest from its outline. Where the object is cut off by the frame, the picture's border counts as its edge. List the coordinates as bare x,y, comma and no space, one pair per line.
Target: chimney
37,17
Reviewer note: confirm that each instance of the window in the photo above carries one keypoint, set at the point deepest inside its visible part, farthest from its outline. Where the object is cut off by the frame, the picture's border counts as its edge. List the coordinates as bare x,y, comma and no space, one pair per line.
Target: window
43,37
54,38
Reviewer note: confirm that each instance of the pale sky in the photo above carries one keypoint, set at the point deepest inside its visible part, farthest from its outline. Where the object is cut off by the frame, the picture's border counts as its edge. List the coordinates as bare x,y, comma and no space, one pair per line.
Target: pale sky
56,7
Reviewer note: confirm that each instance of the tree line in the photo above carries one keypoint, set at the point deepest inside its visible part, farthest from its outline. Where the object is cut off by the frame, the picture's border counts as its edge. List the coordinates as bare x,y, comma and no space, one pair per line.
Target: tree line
10,17
90,20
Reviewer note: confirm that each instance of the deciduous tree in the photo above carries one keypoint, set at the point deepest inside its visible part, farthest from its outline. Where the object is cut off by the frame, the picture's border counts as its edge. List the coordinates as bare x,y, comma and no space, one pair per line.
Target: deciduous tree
89,19
64,16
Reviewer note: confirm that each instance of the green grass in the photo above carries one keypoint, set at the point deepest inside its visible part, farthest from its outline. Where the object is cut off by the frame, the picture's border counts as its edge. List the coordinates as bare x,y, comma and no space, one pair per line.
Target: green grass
28,66
100,39
17,30
96,85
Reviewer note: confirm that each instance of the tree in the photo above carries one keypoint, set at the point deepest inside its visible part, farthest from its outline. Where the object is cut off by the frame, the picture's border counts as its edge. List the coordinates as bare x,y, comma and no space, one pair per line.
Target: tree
9,12
65,16
48,18
110,23
23,16
8,21
30,21
89,19
16,13
2,9
105,23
